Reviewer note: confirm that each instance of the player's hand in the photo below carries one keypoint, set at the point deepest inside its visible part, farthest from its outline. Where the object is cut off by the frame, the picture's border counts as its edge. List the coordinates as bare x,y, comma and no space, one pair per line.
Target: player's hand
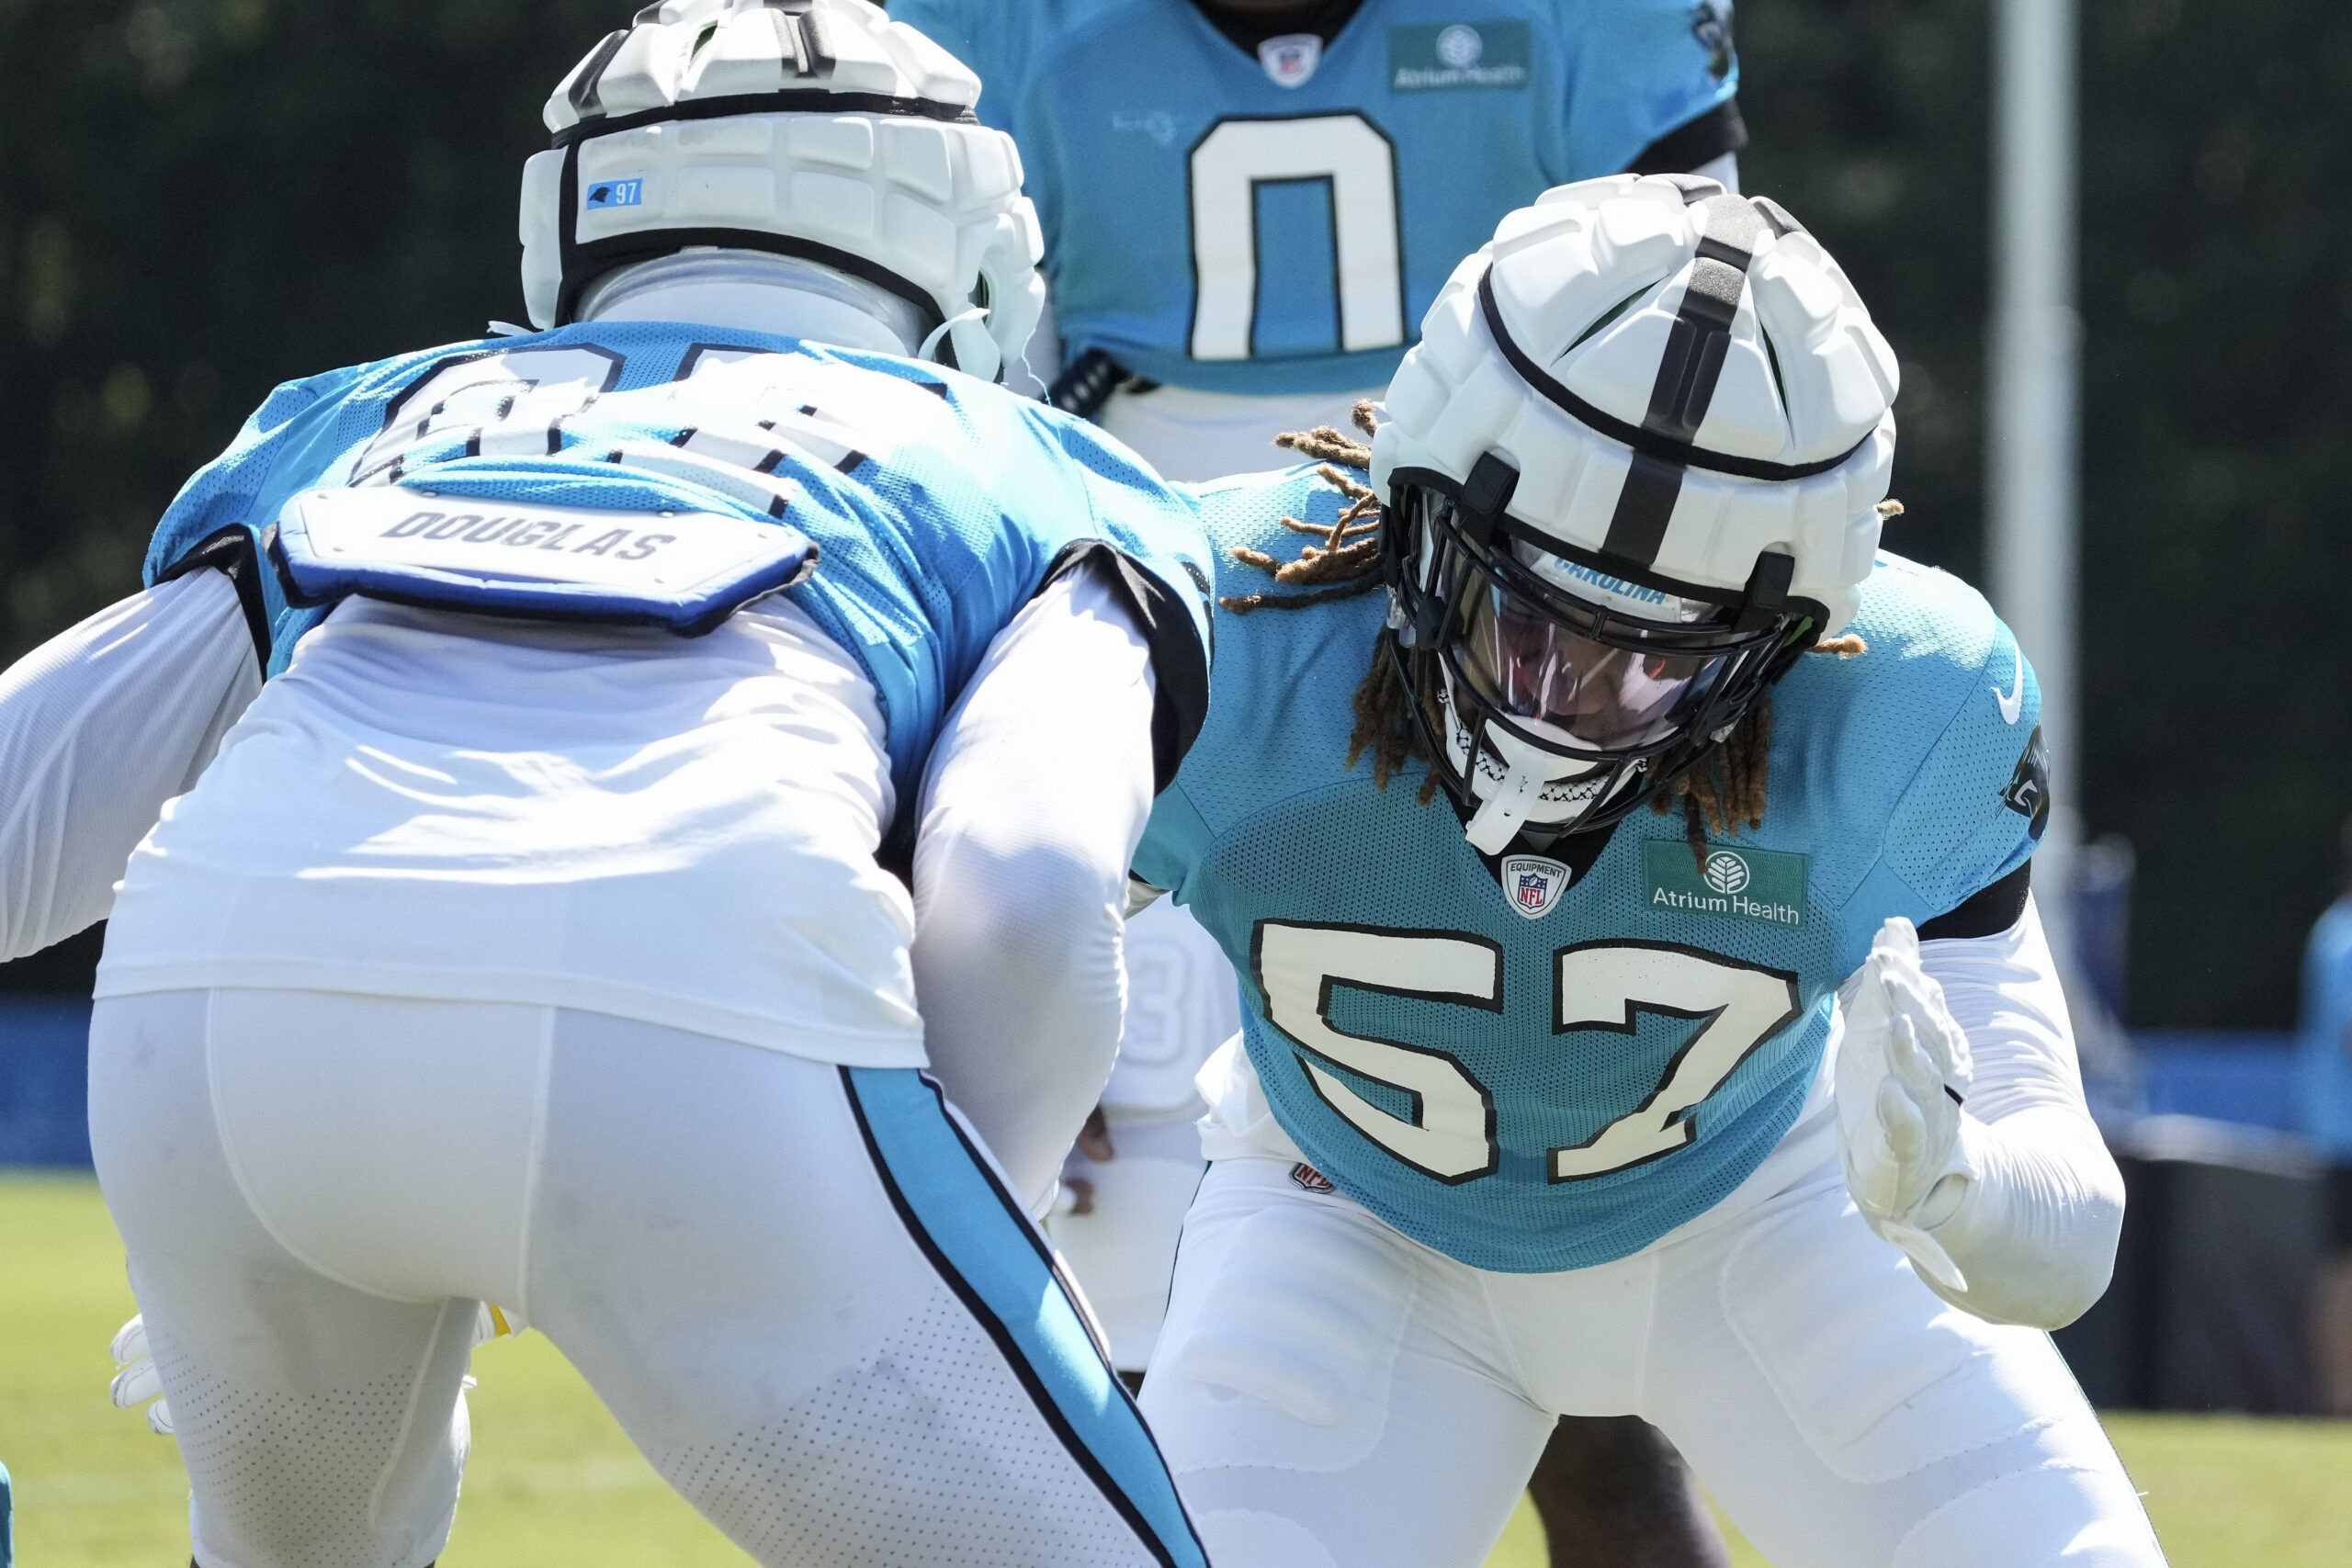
136,1381
135,1378
1901,1075
1094,1147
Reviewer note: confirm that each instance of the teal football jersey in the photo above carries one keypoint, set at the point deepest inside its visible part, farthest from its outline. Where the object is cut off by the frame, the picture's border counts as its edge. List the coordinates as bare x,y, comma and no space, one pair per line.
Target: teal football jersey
939,504
1278,220
1533,1067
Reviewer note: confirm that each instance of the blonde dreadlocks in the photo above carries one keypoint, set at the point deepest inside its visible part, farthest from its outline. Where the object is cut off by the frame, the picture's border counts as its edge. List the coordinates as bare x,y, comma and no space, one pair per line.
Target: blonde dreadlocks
1727,789
1348,561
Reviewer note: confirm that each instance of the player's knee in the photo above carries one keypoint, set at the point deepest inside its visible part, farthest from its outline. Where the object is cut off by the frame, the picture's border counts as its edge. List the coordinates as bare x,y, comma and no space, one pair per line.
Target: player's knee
2052,1517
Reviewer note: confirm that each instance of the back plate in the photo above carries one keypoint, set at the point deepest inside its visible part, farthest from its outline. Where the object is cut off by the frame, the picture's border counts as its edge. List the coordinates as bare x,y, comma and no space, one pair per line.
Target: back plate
682,571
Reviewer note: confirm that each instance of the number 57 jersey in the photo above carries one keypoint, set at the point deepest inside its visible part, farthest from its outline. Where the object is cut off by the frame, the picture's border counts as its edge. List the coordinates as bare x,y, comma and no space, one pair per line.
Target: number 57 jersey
1550,1061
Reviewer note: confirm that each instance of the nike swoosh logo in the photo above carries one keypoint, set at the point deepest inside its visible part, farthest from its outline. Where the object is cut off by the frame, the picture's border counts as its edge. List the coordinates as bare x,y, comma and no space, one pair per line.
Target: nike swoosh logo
2013,700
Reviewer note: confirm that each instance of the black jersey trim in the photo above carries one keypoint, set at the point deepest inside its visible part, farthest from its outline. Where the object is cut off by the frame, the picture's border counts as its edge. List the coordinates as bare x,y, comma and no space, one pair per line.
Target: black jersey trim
1717,133
1248,30
1087,382
1180,661
232,554
1988,911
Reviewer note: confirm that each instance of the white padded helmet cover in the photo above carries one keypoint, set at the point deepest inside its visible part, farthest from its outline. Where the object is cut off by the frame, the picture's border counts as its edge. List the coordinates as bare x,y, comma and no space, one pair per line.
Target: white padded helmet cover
1795,448
884,165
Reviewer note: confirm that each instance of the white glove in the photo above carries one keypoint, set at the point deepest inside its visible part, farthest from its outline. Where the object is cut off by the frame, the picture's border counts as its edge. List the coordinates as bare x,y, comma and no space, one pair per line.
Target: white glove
136,1380
1902,1073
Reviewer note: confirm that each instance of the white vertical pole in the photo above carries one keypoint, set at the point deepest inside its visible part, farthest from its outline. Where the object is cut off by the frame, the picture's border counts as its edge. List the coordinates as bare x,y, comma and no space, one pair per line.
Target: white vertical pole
2034,412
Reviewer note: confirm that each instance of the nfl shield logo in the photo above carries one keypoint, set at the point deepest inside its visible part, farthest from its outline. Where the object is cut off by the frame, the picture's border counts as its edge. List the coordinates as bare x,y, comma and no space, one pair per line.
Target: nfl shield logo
1534,885
1291,59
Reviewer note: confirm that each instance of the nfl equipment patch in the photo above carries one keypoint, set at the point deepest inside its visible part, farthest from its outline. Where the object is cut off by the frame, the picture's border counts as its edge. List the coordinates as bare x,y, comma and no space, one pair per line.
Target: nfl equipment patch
1312,1180
1290,60
1534,884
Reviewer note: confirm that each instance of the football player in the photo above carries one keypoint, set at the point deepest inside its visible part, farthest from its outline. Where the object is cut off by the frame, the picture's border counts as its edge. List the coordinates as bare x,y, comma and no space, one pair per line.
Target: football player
534,934
1563,801
1247,205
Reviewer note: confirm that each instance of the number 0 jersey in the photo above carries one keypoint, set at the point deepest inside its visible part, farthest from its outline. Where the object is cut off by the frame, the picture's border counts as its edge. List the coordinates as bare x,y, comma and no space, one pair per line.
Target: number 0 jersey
939,504
1276,221
1536,1064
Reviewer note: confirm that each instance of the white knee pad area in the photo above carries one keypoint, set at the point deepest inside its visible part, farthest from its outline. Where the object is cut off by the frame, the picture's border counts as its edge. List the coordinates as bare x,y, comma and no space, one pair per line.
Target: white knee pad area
1310,1313
2052,1517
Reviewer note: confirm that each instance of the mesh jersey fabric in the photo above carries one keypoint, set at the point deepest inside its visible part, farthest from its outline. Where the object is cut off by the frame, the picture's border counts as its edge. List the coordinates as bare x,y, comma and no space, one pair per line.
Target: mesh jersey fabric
939,504
1891,784
1157,151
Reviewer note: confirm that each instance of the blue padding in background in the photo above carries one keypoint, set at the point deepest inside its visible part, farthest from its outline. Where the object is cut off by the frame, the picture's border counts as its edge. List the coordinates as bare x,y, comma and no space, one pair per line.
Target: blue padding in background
2241,1076
44,1081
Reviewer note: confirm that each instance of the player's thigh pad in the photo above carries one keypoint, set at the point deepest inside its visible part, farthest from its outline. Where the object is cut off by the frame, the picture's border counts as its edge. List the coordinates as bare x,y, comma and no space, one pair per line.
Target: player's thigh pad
321,1425
1326,1391
1849,1418
807,1301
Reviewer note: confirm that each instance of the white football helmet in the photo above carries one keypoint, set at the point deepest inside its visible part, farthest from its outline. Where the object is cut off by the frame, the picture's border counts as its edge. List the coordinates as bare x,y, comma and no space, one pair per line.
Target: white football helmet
1634,469
816,128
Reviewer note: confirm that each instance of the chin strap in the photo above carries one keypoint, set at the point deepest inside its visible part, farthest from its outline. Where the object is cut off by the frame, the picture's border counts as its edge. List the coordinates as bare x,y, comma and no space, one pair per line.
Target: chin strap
939,332
1501,815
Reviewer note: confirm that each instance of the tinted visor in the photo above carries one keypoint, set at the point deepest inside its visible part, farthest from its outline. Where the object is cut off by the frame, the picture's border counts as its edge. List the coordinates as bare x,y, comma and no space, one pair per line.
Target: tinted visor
1609,698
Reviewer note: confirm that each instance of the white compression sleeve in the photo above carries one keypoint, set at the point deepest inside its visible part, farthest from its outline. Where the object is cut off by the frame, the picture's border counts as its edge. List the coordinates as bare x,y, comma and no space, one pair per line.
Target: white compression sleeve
2035,1230
1036,797
98,728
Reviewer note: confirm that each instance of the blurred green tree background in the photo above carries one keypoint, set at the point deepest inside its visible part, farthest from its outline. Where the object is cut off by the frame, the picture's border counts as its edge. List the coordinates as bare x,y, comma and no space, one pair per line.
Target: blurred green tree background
200,198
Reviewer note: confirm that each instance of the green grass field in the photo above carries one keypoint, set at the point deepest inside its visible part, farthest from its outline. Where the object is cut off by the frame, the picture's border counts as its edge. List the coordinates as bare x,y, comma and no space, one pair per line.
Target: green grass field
553,1484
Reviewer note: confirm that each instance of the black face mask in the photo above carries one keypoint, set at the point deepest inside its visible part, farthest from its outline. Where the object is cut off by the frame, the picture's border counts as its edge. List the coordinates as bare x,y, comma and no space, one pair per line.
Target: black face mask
1637,700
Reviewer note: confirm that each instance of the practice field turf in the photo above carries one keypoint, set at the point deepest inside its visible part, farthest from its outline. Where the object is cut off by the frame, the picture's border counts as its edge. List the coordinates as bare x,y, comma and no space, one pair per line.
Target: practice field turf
553,1484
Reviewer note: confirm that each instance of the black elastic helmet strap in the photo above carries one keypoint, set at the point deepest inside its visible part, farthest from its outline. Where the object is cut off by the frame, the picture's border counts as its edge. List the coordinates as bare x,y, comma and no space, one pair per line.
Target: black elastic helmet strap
1767,591
1696,344
785,100
1731,227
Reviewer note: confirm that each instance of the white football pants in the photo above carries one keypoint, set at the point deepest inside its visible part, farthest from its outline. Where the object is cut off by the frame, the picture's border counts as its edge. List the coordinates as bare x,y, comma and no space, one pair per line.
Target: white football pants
1182,1005
1331,1394
797,1285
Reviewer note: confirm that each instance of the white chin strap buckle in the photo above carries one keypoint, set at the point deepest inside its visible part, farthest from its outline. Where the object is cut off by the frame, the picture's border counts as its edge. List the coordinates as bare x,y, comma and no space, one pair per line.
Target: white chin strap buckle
929,351
1500,814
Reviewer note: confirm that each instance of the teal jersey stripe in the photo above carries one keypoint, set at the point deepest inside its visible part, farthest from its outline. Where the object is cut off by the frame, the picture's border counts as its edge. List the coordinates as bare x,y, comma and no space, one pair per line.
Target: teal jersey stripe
994,1259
